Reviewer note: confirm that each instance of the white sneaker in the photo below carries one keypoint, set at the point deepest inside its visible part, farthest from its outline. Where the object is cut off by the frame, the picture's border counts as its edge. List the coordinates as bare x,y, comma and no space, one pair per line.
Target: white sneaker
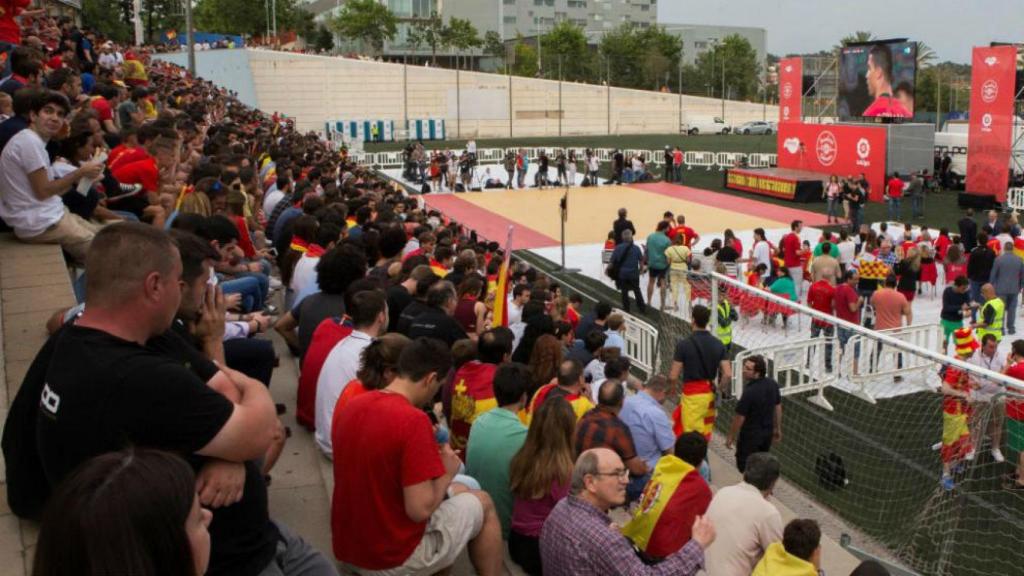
997,455
275,284
937,446
970,456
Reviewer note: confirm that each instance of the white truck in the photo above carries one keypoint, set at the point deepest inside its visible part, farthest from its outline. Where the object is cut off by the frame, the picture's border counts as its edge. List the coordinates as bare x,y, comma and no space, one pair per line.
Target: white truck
953,140
694,125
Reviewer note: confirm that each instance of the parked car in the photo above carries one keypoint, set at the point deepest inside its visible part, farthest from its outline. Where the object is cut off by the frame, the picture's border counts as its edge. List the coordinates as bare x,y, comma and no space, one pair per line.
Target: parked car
755,127
705,125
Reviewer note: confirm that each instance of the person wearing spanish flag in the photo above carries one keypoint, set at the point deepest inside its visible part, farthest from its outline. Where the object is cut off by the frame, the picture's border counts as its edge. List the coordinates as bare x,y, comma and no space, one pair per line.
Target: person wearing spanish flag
569,384
675,496
956,408
701,362
470,392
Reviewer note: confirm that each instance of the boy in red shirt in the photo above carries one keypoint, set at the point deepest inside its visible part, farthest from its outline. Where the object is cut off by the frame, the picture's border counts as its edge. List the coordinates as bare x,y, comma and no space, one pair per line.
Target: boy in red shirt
791,247
822,297
390,467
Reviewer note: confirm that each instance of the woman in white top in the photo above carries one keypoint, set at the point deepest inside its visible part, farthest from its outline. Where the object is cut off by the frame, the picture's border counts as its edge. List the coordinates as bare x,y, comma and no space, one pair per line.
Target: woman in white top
832,192
847,249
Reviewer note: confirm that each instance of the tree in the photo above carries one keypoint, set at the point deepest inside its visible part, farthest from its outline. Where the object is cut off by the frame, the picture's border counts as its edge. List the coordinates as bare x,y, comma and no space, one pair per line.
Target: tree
245,16
857,37
493,46
735,60
524,60
368,21
108,16
461,35
640,57
323,40
430,32
925,55
566,43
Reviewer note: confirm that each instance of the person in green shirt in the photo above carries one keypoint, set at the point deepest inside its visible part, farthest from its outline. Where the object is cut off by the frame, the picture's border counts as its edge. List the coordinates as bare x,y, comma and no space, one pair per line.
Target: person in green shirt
833,249
657,264
496,436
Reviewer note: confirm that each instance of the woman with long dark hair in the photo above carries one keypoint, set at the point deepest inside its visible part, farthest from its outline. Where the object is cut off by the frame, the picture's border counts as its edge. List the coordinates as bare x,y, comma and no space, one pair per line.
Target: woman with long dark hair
539,477
130,512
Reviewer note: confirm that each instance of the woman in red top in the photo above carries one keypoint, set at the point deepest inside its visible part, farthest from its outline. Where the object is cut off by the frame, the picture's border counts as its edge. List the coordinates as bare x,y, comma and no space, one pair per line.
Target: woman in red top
942,244
955,263
377,366
471,312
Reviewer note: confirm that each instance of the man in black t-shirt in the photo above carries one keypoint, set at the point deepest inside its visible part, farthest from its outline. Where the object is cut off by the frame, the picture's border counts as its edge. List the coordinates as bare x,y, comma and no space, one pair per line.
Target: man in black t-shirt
758,419
436,321
108,384
702,361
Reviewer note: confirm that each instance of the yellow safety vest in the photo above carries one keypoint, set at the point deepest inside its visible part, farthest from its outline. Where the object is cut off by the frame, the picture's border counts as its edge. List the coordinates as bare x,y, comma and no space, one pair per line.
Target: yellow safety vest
725,323
996,327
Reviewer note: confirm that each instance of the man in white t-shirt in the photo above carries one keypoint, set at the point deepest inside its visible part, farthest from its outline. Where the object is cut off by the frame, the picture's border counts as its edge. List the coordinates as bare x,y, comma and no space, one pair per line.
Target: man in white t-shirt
369,312
761,252
30,195
276,193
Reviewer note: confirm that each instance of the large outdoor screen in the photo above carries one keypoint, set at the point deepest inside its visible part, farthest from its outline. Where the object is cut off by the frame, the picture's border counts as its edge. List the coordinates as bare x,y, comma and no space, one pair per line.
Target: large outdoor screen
877,80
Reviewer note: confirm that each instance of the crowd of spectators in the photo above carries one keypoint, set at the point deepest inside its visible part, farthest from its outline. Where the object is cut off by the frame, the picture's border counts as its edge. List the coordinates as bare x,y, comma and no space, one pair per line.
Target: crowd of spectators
144,435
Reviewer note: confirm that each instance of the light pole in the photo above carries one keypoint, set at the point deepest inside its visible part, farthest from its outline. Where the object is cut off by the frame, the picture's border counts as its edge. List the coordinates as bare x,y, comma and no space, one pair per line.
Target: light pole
189,39
540,54
723,87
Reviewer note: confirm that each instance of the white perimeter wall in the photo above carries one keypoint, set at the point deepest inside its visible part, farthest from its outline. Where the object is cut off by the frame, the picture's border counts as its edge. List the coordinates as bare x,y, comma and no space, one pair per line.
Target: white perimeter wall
315,89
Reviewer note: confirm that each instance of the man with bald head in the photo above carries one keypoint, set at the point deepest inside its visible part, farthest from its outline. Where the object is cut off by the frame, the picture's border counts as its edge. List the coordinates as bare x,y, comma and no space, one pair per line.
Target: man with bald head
578,537
602,428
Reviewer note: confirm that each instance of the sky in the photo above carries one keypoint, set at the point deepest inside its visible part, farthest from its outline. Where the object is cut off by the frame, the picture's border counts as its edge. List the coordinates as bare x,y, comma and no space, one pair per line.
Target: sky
950,27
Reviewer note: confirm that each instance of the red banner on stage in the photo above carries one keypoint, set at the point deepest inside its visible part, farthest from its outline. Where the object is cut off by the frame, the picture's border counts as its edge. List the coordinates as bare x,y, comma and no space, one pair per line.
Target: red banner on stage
838,149
791,88
990,131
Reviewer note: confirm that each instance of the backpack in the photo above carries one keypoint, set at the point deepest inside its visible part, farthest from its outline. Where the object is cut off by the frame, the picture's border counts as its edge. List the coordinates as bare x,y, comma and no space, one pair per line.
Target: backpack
831,471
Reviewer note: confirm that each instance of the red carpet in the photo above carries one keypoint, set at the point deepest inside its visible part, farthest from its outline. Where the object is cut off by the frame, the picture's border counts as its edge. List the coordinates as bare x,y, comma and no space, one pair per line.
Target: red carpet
743,205
487,224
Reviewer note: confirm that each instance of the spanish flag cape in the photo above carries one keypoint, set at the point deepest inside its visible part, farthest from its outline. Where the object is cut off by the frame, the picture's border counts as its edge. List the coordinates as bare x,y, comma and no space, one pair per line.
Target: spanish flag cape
499,313
673,498
1018,247
579,402
438,268
778,562
956,435
472,394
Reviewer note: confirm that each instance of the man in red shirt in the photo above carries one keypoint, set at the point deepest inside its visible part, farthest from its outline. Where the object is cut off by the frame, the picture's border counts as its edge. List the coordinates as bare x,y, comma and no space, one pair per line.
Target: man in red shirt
790,246
821,296
893,196
677,164
160,153
391,476
848,304
690,236
10,30
104,102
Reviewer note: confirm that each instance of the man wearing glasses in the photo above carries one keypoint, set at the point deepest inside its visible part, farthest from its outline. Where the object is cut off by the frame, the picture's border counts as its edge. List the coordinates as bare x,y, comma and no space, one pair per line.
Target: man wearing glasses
578,537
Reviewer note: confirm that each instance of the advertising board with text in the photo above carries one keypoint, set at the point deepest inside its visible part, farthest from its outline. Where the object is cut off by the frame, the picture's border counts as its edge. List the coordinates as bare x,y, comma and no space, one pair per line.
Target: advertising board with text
838,149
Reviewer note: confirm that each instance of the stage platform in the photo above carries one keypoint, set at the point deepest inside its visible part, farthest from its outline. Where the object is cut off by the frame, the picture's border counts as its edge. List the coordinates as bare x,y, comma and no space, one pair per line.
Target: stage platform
797,185
535,213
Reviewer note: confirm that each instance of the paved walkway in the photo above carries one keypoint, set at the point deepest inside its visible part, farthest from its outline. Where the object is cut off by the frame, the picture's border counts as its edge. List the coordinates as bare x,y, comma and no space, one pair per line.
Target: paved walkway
34,283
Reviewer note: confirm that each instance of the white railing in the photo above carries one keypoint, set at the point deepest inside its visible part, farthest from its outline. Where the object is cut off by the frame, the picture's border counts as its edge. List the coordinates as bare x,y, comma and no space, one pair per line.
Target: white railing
1015,198
641,343
798,367
692,159
869,362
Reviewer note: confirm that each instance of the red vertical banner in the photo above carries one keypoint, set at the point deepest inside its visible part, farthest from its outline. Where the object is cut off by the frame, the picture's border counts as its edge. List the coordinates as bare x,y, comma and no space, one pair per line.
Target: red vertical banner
990,131
791,89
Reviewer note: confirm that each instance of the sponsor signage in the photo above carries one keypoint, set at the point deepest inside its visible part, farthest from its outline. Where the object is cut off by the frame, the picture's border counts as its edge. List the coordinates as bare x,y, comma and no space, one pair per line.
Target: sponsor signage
791,87
990,131
761,184
840,149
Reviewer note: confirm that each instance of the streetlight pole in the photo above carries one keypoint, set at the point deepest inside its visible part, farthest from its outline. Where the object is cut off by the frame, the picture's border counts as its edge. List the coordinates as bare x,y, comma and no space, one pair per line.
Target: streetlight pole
273,11
189,39
540,54
723,88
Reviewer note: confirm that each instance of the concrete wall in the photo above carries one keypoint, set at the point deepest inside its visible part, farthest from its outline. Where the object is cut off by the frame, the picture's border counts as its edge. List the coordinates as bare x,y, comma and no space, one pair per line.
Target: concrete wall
228,68
316,89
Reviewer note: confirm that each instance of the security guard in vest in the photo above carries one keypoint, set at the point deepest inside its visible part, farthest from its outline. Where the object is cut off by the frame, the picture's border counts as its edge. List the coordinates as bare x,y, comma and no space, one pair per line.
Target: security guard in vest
726,316
990,319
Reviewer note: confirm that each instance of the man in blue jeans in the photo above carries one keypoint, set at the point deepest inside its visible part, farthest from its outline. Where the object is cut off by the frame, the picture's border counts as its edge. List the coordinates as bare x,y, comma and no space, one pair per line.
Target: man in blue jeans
235,275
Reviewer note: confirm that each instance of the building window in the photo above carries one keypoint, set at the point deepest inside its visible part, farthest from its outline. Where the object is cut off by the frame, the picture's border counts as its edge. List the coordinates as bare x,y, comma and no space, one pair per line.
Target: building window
645,8
509,20
577,3
598,17
510,2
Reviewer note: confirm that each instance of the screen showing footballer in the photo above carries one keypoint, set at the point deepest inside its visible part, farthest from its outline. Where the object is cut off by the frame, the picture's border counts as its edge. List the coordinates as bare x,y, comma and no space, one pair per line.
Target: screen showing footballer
877,80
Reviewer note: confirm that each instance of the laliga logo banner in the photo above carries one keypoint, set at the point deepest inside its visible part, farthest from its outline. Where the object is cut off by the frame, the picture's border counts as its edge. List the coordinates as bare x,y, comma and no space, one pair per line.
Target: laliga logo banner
843,150
791,86
990,131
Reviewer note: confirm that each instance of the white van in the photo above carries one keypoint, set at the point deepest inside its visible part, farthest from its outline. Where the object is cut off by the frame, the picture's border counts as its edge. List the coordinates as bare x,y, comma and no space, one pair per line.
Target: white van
704,125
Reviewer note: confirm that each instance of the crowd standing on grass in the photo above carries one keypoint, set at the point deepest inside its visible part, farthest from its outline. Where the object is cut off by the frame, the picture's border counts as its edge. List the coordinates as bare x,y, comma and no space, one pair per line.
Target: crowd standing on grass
467,406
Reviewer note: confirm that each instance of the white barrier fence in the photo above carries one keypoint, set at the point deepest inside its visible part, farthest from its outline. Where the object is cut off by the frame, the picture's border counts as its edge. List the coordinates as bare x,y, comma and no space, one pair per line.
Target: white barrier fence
692,159
1015,198
870,361
641,343
801,366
